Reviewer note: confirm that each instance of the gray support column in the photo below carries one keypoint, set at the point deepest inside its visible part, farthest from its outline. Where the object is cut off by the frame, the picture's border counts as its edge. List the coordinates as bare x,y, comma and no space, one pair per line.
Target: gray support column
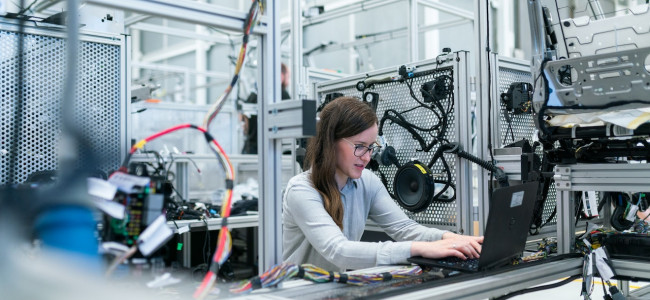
565,222
270,171
464,190
125,115
182,174
413,32
297,70
624,287
482,75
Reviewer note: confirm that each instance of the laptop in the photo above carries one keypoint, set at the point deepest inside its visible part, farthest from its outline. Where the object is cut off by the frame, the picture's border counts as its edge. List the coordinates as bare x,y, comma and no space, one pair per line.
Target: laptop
511,211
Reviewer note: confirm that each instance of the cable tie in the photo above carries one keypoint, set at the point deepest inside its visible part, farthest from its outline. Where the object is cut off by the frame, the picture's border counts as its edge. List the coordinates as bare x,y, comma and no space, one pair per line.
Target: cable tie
140,144
301,272
214,267
208,136
387,276
256,282
229,184
234,80
244,40
224,222
343,278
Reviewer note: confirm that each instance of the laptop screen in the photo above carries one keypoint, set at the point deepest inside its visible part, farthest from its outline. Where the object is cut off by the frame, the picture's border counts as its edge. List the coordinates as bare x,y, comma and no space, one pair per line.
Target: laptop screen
506,231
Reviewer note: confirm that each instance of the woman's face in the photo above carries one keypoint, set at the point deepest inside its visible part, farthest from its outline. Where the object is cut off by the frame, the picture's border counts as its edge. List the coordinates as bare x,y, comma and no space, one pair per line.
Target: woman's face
349,165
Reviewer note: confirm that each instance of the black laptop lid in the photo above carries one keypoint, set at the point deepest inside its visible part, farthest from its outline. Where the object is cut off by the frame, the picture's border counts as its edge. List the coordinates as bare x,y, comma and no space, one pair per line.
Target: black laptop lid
511,211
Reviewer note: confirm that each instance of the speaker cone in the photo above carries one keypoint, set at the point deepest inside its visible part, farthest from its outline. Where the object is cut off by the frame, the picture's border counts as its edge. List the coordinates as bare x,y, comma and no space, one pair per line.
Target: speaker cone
414,186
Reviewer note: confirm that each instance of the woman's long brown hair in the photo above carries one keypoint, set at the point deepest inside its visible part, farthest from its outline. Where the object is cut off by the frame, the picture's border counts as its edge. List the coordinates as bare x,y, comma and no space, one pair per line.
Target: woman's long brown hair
343,117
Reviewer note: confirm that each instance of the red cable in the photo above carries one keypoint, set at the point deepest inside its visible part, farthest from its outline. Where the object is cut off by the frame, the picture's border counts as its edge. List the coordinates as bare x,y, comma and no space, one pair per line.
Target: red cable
164,132
204,284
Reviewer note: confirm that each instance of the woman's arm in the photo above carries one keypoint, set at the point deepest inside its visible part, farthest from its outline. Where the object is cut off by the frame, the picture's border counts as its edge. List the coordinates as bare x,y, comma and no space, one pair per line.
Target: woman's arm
428,242
304,207
385,212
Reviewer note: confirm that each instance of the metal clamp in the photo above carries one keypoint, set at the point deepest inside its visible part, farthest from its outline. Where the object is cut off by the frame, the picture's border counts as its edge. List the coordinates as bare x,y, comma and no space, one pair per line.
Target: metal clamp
291,119
562,177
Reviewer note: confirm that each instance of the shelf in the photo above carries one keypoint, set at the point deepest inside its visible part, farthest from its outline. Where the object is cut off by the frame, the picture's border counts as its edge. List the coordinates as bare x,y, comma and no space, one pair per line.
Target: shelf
215,223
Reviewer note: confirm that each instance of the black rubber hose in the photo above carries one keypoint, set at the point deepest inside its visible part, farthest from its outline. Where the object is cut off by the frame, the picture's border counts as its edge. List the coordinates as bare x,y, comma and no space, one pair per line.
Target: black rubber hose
501,176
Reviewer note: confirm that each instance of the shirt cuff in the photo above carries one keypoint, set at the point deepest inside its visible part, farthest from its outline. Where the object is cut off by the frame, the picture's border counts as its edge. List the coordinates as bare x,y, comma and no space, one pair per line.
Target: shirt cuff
438,235
398,254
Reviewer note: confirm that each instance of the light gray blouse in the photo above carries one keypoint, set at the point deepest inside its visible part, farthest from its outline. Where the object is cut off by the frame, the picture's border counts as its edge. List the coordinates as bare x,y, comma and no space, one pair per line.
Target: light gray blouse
311,236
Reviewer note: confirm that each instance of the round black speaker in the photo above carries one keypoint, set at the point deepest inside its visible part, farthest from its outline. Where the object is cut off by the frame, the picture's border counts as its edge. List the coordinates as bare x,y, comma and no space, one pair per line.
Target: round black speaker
414,186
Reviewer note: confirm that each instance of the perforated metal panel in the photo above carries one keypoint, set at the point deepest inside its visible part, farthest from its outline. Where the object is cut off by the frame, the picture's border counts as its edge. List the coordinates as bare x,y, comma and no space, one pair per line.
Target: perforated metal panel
99,109
396,96
521,125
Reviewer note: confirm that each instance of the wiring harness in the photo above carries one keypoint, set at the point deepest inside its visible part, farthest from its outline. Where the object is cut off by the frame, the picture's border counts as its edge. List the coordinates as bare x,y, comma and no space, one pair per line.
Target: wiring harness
224,240
434,95
224,243
255,10
278,273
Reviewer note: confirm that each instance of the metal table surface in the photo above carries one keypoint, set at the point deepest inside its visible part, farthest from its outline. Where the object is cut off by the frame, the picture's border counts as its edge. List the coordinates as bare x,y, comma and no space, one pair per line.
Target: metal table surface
434,285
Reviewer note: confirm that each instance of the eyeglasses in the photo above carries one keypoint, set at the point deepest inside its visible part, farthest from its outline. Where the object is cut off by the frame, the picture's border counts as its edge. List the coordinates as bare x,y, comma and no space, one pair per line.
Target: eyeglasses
360,150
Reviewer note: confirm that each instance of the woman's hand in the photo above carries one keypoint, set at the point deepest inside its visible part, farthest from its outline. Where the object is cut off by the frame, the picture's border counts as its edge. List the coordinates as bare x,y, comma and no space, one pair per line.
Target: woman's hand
461,246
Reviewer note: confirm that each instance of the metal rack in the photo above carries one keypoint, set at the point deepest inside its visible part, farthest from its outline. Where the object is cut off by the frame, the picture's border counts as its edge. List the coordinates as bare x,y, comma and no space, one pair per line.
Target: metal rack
507,71
193,185
269,81
455,215
101,102
592,177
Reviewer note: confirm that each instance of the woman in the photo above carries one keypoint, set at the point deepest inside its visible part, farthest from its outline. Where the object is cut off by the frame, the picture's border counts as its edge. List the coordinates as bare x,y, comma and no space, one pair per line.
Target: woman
325,208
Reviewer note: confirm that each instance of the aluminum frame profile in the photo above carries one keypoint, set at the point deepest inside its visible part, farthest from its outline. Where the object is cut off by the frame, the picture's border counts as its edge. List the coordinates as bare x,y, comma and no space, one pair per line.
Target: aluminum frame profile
188,11
509,159
298,72
602,177
180,33
484,63
584,37
500,284
291,119
515,280
269,149
346,10
592,177
464,128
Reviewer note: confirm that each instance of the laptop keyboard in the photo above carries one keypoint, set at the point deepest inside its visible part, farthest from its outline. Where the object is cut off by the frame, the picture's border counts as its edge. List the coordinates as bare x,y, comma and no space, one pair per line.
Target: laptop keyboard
469,264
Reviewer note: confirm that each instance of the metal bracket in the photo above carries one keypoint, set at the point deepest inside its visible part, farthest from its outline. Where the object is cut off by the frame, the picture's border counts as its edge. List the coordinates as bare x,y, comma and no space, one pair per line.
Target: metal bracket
291,119
562,177
602,177
509,160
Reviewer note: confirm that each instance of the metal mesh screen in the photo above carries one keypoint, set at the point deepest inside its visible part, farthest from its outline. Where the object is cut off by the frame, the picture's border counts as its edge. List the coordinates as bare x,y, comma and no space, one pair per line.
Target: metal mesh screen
97,108
397,96
520,126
